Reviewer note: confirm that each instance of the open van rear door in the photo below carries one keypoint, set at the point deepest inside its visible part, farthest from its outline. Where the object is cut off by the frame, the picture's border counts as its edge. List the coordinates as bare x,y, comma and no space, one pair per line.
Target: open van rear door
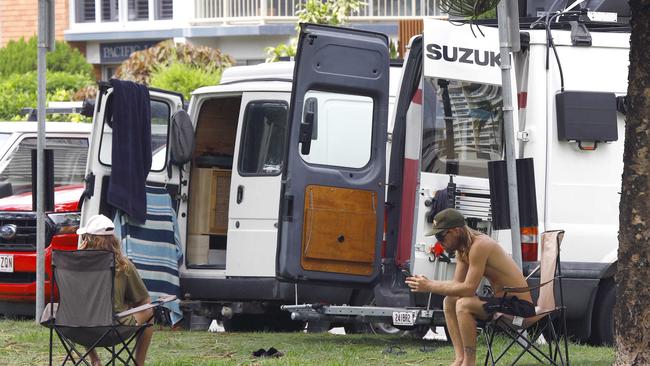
332,200
163,105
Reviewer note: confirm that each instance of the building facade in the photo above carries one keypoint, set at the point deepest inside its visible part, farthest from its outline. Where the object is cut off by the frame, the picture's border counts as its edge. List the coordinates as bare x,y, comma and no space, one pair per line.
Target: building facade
19,19
108,31
111,29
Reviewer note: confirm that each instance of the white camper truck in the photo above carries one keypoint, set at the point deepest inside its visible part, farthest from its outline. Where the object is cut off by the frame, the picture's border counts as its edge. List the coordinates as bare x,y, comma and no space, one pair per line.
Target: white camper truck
286,196
449,128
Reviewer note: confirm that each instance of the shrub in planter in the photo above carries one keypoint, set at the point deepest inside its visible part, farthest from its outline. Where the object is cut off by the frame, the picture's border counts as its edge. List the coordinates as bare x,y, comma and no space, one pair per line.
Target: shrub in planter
141,65
183,78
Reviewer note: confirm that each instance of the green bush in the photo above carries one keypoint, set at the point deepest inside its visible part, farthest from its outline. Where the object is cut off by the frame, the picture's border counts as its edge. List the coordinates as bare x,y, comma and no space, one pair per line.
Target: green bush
19,91
183,78
21,56
28,82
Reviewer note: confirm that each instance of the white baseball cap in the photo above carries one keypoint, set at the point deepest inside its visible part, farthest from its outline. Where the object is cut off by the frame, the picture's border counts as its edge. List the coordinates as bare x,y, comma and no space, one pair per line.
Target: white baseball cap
97,225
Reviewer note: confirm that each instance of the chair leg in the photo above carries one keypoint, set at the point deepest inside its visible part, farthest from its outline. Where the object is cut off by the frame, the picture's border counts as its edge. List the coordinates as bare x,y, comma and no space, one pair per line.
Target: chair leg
493,333
51,336
529,347
125,347
69,350
565,335
488,342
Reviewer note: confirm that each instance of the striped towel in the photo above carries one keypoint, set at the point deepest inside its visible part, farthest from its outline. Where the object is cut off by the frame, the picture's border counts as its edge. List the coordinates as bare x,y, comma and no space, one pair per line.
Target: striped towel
154,247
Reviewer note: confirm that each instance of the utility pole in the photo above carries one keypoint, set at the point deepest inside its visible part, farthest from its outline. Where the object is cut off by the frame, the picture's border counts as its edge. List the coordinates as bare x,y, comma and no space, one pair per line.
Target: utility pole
45,43
508,15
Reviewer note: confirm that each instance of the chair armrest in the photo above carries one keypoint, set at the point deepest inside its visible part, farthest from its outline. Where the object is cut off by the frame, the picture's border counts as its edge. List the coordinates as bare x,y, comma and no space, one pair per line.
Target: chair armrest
158,302
539,266
49,313
529,288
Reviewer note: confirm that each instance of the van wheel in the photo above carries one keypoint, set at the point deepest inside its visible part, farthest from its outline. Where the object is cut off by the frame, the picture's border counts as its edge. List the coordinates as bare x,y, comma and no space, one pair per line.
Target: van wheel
318,326
281,322
602,326
416,332
245,323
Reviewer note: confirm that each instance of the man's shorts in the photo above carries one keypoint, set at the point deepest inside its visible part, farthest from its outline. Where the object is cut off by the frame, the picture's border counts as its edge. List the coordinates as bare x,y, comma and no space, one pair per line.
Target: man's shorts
510,305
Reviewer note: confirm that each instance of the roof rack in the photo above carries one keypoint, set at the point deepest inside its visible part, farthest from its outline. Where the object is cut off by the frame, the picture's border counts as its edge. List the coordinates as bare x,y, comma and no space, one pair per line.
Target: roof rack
85,108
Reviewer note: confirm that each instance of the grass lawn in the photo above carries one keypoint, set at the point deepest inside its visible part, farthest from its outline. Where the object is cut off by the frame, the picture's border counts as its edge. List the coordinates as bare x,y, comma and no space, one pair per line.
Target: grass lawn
25,343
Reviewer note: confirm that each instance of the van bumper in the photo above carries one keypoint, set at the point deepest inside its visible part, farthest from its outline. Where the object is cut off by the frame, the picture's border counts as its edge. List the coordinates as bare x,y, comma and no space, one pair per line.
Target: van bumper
260,289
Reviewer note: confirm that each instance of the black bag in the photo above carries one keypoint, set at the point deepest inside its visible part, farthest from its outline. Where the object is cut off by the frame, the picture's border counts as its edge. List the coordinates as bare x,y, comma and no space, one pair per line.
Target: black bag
182,140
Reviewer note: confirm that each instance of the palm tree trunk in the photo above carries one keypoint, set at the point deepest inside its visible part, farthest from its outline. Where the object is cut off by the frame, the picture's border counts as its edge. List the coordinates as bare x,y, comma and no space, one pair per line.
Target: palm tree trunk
632,310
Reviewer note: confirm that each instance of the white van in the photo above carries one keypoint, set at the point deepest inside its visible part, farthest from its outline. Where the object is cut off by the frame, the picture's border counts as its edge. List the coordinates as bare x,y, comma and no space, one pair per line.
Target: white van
449,127
229,195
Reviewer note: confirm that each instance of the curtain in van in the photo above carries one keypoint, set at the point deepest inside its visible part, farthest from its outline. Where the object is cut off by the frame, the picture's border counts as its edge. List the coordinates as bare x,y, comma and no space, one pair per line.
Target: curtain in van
154,247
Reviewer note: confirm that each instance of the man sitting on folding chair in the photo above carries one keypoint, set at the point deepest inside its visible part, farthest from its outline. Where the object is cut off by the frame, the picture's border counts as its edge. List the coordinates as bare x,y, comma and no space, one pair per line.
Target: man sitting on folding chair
128,289
478,256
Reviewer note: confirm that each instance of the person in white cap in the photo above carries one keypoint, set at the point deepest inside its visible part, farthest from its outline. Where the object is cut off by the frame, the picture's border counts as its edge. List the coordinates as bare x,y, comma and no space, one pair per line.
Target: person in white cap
128,289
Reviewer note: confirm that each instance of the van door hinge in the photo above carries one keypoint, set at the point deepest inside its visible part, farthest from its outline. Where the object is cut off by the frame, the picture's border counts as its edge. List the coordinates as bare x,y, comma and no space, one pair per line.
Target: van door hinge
523,136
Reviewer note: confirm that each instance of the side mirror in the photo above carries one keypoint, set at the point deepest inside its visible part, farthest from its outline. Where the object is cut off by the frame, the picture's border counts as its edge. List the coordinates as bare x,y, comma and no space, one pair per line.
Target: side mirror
309,121
182,140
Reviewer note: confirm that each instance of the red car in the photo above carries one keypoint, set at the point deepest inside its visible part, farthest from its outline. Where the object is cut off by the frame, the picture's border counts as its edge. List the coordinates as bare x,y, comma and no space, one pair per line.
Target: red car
69,142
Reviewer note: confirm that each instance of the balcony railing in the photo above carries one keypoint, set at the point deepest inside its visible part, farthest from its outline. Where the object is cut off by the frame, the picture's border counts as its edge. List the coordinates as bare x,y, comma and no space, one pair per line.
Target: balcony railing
262,11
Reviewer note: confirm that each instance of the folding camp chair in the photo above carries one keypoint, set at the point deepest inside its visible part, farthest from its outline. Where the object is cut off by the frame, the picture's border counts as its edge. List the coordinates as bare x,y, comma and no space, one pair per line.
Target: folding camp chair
525,332
84,315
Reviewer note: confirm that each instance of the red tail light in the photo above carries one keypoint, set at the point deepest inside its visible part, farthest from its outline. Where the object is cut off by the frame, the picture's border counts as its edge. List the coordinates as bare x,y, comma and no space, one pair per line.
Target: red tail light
529,244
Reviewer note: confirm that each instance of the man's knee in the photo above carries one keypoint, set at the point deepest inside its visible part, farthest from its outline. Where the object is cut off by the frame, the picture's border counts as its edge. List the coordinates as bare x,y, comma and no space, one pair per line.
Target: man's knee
465,305
449,303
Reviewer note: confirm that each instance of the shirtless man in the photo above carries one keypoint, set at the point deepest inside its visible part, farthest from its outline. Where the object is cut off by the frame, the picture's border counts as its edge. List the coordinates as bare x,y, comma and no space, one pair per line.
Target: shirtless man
478,256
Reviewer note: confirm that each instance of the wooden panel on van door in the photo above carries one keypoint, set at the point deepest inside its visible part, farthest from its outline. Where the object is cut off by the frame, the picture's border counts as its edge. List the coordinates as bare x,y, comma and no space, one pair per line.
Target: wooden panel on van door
339,230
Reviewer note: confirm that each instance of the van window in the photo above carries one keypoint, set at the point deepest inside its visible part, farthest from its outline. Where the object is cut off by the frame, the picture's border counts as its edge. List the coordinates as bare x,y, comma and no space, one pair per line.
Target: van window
4,137
263,138
70,155
462,127
160,116
342,131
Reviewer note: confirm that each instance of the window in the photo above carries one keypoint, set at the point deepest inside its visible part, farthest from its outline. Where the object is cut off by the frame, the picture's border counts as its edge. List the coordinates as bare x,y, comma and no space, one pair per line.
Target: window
160,116
3,139
264,138
342,130
110,10
70,155
463,127
108,71
84,11
164,9
138,9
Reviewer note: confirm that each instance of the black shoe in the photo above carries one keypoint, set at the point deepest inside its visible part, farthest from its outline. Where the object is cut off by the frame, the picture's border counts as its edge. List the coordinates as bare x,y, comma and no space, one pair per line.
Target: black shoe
272,352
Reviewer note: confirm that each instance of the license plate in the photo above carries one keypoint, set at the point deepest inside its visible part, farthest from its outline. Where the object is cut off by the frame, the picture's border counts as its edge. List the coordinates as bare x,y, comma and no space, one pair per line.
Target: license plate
6,263
404,317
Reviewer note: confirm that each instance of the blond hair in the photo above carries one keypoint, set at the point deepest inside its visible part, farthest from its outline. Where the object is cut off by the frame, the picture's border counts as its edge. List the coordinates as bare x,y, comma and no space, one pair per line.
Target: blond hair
467,237
109,243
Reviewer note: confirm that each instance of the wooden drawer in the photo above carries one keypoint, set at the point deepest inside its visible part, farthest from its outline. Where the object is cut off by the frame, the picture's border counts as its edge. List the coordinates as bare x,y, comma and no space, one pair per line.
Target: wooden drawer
220,185
209,197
